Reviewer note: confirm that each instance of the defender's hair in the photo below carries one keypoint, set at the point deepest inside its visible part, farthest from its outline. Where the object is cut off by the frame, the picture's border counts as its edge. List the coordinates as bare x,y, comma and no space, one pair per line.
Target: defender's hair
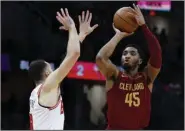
36,70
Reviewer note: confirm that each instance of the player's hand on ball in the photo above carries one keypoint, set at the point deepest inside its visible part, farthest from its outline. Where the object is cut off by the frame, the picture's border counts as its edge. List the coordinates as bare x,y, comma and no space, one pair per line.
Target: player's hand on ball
64,18
139,16
85,24
123,34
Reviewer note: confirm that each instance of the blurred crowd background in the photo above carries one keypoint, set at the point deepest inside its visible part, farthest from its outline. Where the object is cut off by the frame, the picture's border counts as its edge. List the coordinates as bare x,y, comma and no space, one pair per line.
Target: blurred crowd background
30,31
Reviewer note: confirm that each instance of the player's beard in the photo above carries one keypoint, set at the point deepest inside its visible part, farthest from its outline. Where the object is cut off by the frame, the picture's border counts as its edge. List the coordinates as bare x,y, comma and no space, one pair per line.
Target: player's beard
128,67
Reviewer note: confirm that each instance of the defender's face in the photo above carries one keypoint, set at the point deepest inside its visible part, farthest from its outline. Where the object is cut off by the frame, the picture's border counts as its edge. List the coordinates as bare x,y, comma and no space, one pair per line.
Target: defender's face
130,57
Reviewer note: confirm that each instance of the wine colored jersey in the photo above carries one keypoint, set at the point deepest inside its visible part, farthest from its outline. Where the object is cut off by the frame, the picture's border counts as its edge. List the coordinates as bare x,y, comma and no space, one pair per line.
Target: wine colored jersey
129,103
43,118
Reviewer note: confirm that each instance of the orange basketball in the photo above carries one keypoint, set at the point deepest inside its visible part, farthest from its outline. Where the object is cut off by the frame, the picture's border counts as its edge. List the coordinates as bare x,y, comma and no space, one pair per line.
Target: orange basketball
124,20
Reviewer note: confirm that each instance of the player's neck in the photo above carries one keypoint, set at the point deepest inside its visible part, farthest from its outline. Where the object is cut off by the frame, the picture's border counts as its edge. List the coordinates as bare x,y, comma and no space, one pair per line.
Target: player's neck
132,72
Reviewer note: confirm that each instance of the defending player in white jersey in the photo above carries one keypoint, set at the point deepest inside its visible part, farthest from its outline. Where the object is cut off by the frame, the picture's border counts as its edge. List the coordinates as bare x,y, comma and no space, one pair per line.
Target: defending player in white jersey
46,106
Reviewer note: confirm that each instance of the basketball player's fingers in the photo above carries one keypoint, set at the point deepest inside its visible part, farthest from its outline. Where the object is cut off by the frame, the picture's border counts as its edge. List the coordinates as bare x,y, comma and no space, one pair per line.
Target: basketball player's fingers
62,11
137,18
95,26
59,20
62,28
139,9
79,18
83,16
66,11
59,15
113,27
87,16
135,8
90,17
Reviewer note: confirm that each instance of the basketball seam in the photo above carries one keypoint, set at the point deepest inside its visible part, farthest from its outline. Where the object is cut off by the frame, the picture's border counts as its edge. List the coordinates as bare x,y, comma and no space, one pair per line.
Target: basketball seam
125,21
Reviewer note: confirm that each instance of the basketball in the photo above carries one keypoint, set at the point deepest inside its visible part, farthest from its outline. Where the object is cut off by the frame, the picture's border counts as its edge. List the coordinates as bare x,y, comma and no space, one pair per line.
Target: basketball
124,20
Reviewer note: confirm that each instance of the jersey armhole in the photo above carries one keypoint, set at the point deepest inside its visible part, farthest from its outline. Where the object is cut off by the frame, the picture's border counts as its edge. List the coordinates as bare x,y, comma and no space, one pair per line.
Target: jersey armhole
50,108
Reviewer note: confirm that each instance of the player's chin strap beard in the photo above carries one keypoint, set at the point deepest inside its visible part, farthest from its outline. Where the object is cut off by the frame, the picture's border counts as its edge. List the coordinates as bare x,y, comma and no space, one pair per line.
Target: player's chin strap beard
129,68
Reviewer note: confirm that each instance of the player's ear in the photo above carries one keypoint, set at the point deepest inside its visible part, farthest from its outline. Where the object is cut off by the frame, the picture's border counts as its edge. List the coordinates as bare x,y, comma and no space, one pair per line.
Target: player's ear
140,61
47,73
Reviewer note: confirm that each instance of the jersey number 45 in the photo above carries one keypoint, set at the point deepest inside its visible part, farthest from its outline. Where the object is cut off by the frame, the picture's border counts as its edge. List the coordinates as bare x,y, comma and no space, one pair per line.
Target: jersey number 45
132,99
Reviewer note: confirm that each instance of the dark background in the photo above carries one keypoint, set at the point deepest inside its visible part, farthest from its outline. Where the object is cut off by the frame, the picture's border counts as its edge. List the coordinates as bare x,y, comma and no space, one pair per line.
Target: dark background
30,31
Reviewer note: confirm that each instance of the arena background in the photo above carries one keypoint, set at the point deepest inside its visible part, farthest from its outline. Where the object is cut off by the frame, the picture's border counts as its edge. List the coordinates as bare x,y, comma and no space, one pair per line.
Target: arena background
30,31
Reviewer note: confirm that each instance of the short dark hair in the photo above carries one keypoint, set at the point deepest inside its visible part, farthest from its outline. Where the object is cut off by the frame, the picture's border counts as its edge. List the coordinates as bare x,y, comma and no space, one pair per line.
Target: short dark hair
36,70
141,54
138,49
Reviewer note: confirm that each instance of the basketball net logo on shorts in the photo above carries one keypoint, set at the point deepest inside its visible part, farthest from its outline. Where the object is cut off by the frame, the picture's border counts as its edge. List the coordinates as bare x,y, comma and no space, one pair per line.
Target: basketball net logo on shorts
132,99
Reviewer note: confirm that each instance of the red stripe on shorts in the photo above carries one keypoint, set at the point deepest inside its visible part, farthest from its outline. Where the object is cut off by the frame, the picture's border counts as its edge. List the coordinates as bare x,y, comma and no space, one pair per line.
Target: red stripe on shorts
31,121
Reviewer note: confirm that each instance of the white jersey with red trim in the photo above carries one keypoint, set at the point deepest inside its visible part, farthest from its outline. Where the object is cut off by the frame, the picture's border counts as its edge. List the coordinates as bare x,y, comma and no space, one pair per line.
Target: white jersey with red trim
43,118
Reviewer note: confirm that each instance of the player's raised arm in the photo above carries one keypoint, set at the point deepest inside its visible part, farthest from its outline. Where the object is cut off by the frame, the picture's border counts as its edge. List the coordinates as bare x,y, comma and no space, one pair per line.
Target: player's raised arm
51,84
73,53
103,62
155,61
85,25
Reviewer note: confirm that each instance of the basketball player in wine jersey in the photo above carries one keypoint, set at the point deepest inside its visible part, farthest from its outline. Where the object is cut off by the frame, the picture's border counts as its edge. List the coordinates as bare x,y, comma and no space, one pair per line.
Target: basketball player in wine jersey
129,91
46,106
